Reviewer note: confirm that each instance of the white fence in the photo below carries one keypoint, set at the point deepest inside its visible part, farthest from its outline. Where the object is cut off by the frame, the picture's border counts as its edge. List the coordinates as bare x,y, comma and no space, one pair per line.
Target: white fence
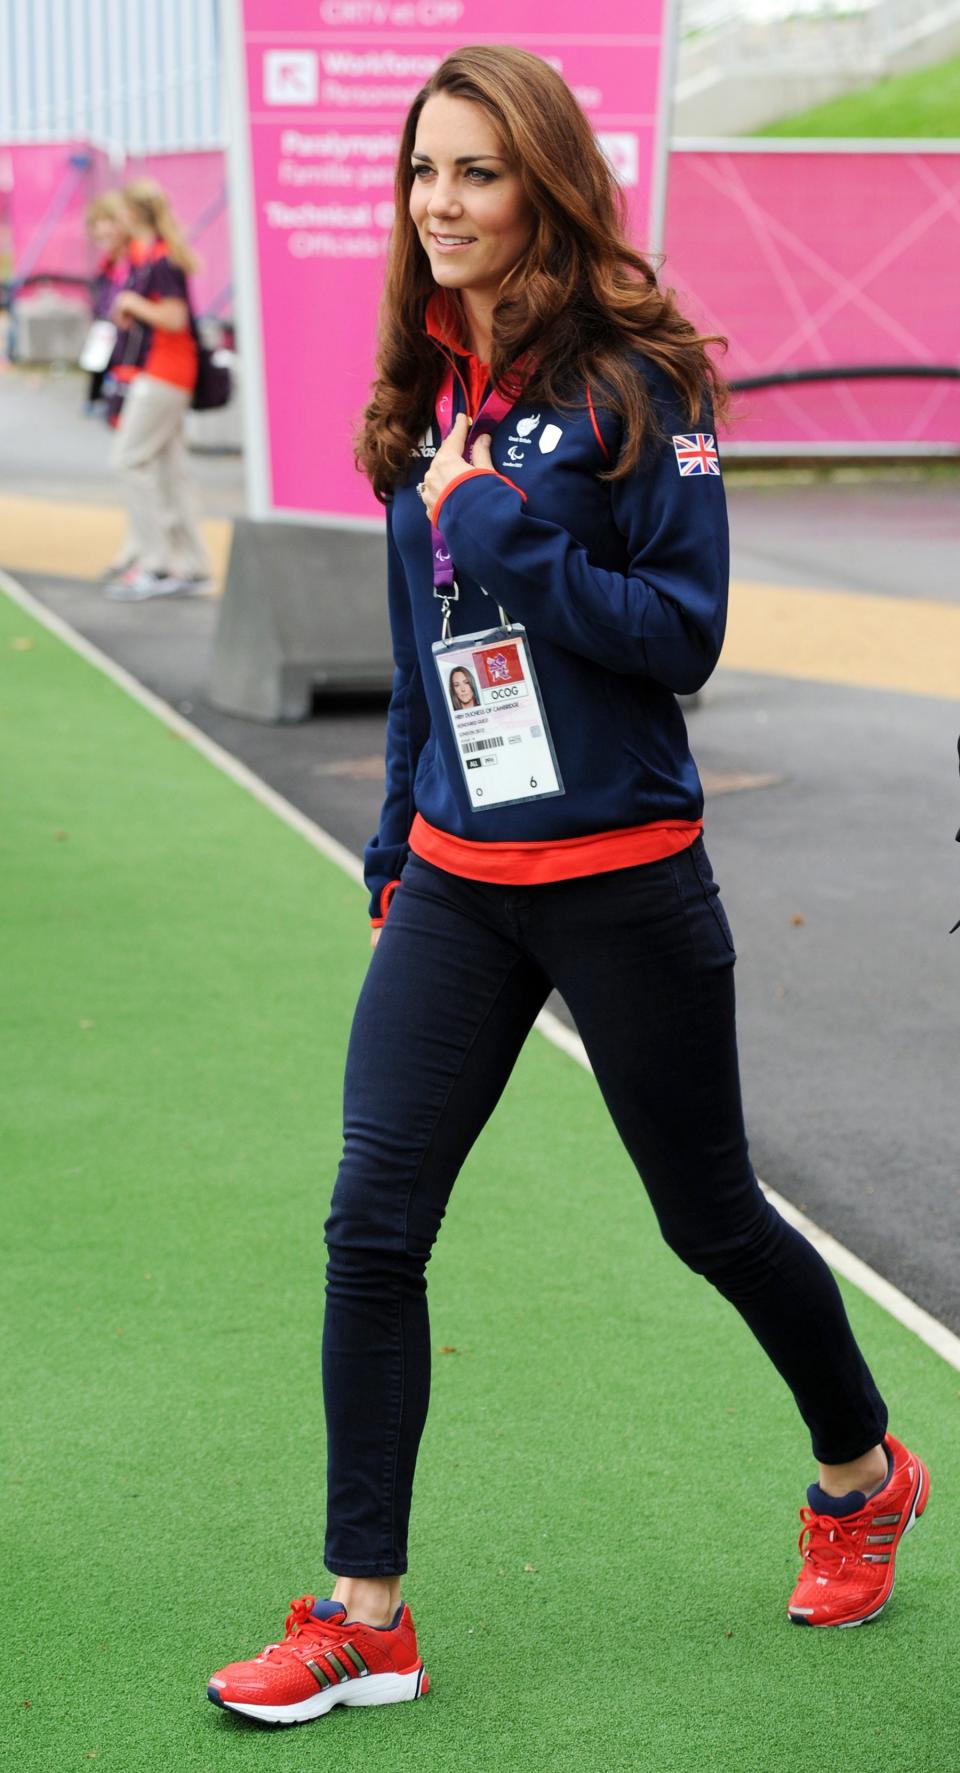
134,76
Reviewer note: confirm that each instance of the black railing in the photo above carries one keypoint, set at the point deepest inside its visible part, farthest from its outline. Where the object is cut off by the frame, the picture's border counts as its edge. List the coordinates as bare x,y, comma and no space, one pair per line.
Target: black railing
850,372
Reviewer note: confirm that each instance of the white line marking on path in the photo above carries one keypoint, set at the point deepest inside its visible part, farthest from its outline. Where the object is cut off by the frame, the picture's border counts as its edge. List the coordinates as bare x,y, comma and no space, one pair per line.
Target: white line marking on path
214,753
913,1317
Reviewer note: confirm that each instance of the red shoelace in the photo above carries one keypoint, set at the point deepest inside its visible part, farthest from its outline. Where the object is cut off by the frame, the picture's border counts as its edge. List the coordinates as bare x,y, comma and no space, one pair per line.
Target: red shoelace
322,1631
828,1540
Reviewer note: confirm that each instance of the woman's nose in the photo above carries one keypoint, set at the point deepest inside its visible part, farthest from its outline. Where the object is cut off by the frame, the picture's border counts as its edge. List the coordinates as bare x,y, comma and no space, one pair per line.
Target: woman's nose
443,200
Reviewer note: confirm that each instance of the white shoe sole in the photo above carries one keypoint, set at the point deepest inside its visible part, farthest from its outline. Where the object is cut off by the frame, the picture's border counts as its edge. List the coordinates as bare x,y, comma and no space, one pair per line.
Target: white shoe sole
129,594
382,1689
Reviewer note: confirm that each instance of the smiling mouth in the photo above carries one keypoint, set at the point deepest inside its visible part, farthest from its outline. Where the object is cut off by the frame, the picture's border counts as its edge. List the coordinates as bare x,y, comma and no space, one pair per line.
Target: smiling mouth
448,240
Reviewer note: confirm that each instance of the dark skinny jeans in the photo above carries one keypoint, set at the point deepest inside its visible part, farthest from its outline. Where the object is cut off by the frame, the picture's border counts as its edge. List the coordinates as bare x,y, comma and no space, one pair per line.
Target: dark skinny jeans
644,959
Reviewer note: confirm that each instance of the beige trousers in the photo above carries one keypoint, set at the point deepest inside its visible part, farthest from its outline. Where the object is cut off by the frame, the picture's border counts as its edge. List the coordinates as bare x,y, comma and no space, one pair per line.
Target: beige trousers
150,456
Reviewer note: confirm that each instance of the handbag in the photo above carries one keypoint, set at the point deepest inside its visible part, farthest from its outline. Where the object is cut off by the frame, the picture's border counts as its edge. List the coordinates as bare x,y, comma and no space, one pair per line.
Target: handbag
214,383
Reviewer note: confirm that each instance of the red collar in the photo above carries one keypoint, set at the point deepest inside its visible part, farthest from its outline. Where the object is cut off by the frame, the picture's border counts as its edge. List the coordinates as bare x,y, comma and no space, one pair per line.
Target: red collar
444,320
140,253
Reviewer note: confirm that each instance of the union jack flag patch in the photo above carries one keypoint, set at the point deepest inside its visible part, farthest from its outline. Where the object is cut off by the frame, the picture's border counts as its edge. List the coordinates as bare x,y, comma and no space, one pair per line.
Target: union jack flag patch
696,454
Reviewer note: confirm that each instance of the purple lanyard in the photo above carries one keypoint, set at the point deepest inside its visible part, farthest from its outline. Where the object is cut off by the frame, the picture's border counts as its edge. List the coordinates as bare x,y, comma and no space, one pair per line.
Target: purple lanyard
492,413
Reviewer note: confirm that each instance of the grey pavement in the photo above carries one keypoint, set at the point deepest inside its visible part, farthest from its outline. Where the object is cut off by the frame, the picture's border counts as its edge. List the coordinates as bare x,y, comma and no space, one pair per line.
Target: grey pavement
841,879
882,532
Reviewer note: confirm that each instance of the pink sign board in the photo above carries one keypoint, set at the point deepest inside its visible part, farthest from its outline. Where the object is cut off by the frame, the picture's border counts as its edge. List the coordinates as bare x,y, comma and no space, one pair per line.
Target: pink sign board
818,259
324,86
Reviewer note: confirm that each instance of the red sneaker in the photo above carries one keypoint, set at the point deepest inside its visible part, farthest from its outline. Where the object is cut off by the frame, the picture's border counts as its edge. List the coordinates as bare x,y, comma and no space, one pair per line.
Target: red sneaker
848,1558
324,1661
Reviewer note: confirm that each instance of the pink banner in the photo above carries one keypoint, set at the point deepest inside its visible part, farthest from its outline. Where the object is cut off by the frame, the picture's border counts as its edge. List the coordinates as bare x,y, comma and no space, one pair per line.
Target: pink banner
197,188
50,191
788,253
51,185
326,105
813,260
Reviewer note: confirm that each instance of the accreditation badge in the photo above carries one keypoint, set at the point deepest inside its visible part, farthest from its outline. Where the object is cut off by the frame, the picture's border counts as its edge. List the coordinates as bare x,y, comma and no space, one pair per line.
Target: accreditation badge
499,726
97,348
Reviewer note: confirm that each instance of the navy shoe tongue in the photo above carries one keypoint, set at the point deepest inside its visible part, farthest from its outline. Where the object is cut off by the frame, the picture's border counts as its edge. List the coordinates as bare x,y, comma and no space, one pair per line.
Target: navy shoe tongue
328,1610
821,1503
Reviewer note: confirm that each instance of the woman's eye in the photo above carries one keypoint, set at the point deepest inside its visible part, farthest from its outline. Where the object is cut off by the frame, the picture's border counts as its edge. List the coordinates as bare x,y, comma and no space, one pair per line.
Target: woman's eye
477,175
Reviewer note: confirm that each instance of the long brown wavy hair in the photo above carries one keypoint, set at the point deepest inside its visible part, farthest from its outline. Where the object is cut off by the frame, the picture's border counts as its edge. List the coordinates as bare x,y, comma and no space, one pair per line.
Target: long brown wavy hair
580,296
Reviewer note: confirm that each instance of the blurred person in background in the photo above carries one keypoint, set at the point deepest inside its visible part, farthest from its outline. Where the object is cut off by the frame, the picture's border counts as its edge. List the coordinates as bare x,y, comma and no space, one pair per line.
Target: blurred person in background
155,366
107,228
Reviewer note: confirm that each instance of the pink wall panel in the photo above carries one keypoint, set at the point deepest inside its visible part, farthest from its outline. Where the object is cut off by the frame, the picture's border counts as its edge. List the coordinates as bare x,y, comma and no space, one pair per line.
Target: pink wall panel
196,185
803,259
811,259
41,176
42,179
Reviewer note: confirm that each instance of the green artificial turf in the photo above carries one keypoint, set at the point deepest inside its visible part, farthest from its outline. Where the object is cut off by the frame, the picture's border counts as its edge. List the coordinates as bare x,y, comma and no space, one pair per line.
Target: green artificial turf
923,103
603,1537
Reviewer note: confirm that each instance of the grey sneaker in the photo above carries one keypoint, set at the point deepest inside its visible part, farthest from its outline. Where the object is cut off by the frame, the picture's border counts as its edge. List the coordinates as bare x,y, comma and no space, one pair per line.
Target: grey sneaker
136,586
116,571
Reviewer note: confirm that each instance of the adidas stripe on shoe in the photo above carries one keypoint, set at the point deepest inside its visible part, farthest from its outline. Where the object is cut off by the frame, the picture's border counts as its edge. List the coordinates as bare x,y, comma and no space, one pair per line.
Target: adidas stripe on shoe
324,1660
850,1546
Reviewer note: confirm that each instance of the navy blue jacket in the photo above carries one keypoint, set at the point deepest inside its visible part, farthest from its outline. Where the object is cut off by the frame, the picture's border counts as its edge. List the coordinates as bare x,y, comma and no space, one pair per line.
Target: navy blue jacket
622,587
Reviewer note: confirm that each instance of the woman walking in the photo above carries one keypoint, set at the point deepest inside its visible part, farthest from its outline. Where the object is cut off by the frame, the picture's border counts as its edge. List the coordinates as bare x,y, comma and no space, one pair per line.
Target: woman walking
155,361
566,544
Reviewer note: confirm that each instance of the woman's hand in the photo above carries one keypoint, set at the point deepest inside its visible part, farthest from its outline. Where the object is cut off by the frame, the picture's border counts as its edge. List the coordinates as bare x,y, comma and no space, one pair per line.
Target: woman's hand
170,314
374,938
124,309
449,462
